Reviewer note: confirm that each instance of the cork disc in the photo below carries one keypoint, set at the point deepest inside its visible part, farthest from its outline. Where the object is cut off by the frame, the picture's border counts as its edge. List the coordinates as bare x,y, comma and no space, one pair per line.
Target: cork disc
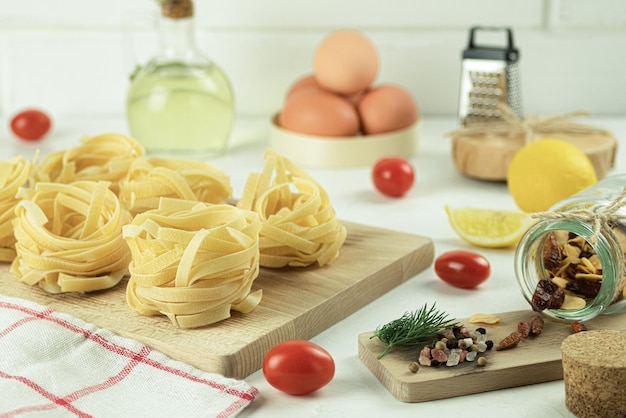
594,371
488,157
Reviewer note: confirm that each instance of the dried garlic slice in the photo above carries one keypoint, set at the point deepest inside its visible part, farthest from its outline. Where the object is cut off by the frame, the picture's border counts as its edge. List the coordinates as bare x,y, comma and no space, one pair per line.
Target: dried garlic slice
69,237
483,318
193,262
299,224
572,302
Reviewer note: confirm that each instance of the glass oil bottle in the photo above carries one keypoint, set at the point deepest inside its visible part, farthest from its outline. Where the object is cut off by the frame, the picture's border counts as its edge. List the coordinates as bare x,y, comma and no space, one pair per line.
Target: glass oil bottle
180,103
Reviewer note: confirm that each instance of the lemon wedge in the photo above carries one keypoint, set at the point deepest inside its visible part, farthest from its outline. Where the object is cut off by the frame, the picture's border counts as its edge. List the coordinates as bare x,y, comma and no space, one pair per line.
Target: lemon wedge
489,228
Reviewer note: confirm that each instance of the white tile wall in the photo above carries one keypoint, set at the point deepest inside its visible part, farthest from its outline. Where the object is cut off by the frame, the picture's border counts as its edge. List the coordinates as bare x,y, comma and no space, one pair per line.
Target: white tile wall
608,14
71,57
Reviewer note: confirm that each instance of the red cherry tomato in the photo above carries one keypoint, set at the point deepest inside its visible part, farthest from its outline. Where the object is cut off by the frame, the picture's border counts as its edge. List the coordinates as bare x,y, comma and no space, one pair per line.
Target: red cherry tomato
464,269
30,124
393,176
298,367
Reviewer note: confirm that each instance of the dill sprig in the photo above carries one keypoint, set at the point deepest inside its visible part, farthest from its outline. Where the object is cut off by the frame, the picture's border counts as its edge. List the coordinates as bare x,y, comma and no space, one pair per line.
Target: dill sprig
413,328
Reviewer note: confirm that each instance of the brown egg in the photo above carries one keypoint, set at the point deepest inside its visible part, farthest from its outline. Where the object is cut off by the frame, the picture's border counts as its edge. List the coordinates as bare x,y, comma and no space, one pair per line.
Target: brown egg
387,108
355,98
320,113
345,62
304,82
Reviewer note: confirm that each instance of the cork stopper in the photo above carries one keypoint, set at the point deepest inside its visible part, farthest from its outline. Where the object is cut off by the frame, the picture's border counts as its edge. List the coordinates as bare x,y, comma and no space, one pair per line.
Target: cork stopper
594,371
177,9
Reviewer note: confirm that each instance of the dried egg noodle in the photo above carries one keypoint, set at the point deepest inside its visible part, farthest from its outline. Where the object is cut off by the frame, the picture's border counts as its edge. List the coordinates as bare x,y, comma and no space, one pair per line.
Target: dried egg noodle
299,226
150,179
69,237
105,157
14,173
193,262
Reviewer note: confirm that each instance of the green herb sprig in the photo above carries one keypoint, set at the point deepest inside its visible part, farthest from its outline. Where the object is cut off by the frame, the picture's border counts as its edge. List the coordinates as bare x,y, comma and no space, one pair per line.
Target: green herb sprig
413,328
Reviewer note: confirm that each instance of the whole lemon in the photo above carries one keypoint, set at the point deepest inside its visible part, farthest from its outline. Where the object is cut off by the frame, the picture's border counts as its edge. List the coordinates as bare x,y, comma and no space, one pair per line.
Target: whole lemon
546,171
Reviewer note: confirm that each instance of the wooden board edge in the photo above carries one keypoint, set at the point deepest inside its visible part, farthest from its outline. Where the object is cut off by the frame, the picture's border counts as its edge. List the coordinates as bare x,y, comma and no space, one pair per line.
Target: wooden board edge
408,266
402,270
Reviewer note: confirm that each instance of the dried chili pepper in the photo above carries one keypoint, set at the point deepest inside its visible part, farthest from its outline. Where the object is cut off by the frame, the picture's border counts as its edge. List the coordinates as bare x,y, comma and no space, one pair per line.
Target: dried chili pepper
510,341
578,327
586,288
547,296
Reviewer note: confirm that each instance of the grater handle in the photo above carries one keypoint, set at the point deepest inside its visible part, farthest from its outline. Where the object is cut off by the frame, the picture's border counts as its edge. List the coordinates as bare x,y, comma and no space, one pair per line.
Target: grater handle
509,54
491,28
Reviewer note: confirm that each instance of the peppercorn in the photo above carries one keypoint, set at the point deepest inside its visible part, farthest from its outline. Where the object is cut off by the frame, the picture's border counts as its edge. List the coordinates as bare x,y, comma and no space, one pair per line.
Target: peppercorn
458,333
481,330
414,366
452,343
489,344
481,361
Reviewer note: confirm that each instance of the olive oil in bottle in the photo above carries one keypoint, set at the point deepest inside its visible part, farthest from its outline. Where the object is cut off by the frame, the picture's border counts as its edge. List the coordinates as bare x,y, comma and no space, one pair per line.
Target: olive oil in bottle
180,103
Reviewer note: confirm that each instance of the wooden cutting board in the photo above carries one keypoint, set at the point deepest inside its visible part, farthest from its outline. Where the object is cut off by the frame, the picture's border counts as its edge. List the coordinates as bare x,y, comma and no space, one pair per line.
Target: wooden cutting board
535,360
297,303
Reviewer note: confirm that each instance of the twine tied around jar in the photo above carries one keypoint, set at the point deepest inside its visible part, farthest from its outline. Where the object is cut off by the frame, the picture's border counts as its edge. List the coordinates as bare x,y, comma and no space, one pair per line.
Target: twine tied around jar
599,217
529,128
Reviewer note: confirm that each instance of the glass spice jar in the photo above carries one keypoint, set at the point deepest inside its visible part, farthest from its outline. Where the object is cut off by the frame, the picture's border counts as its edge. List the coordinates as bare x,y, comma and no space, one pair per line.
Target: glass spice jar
582,237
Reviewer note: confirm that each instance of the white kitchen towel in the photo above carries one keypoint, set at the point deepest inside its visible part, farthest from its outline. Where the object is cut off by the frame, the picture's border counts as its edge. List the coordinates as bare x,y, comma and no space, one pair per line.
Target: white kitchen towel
56,365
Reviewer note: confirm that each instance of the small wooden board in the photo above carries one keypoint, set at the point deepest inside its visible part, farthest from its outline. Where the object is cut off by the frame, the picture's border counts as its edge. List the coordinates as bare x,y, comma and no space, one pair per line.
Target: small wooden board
488,157
535,360
298,303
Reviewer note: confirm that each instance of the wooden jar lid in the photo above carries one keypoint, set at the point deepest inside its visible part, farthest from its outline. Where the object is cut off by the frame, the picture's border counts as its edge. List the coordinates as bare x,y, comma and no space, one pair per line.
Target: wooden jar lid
488,157
594,371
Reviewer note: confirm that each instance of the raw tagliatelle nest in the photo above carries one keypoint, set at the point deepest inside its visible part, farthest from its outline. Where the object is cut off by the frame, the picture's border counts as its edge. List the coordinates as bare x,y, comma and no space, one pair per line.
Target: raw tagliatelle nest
69,237
193,262
14,174
152,178
299,224
105,157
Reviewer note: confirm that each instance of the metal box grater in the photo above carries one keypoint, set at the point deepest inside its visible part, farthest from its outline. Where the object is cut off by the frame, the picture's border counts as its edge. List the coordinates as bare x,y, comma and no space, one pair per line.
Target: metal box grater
489,75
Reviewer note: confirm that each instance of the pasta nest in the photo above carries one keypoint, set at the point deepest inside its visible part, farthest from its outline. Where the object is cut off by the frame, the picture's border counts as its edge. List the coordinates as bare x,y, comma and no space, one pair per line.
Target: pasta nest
150,179
69,237
193,262
299,226
14,173
105,157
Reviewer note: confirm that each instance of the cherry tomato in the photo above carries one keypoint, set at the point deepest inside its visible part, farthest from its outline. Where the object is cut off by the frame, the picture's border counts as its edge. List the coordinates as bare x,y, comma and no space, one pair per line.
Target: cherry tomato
30,124
298,367
393,176
464,269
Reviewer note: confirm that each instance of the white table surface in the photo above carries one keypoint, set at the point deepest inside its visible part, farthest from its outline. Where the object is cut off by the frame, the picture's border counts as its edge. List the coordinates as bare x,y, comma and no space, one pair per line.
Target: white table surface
354,391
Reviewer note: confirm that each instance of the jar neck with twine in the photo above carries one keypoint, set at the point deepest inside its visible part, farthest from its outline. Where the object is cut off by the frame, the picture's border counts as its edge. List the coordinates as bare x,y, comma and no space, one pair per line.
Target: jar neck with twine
600,218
